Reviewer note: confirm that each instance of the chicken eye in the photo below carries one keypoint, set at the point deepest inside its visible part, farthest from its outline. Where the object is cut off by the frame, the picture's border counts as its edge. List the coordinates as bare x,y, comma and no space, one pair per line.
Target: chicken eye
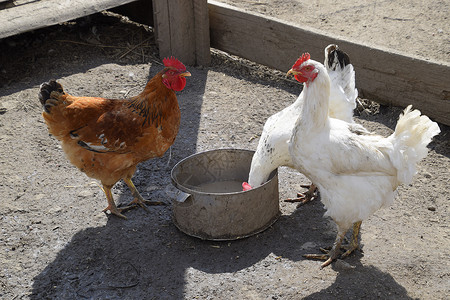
170,73
307,68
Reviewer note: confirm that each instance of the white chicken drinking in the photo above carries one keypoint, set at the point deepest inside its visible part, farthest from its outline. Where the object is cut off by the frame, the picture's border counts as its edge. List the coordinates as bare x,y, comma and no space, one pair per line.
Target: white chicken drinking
272,151
356,172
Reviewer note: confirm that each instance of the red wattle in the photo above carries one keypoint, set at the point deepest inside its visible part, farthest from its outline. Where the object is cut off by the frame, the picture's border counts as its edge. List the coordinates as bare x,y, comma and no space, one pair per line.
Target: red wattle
179,84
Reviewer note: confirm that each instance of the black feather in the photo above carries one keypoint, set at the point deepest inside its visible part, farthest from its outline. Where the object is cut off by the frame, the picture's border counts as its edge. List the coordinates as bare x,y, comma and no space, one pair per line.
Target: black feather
337,56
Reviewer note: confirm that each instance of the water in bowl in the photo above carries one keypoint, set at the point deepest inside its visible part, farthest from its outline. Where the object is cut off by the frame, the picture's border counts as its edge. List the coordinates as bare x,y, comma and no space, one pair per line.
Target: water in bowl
227,186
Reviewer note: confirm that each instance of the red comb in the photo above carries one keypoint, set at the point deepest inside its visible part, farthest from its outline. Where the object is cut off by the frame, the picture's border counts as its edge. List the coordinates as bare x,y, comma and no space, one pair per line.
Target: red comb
302,59
172,62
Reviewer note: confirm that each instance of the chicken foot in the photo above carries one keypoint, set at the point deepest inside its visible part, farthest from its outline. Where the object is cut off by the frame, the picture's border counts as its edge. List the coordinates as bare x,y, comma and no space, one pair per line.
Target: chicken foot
304,198
111,204
329,255
332,254
138,199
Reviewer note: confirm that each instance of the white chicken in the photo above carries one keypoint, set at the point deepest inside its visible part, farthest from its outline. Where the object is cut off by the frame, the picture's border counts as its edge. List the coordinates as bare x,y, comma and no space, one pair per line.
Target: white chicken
273,151
356,172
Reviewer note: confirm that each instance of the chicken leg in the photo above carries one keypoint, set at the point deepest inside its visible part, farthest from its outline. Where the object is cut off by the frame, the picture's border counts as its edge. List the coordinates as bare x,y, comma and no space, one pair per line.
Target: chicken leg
138,199
330,255
353,245
303,198
111,204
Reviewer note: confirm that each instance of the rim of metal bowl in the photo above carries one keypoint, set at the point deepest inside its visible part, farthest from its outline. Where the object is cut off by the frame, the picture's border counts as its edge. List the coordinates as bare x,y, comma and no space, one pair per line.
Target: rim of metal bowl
189,190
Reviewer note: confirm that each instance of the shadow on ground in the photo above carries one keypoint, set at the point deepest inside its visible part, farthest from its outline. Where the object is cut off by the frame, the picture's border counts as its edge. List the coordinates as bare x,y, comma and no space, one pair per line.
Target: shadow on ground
147,257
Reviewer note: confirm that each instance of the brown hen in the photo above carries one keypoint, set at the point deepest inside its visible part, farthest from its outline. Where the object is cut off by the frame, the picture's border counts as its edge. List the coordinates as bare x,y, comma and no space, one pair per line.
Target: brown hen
106,138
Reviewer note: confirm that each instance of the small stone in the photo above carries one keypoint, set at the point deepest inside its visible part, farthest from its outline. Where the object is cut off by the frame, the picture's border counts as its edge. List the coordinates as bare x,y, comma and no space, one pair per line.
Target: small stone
152,188
55,210
431,208
39,197
342,265
308,246
72,277
85,194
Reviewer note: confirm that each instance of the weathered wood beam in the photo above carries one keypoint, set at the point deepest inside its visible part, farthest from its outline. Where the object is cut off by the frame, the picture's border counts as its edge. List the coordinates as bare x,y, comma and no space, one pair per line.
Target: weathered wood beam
381,75
39,14
202,40
182,30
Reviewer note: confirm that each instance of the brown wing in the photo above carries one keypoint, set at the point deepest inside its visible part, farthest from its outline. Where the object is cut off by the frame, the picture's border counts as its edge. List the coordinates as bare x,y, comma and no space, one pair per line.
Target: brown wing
103,125
146,125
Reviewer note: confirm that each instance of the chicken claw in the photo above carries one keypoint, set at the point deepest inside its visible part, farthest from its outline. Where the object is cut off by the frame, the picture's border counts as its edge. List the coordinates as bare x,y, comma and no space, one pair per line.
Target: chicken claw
329,256
304,198
111,205
138,199
332,253
116,211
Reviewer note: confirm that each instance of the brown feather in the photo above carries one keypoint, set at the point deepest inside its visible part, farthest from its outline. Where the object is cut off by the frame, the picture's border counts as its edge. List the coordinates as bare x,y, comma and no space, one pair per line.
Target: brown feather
107,138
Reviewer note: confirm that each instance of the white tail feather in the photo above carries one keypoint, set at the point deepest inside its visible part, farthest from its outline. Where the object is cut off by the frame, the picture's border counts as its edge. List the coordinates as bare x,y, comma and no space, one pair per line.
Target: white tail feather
413,133
343,93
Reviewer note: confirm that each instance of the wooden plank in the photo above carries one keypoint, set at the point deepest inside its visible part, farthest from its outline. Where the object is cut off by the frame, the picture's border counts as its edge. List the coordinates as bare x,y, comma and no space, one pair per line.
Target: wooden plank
385,76
182,30
6,3
202,41
39,14
162,29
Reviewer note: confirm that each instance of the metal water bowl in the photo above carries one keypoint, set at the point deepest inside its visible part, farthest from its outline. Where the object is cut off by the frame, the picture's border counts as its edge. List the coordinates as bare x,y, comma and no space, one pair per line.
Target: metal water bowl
211,204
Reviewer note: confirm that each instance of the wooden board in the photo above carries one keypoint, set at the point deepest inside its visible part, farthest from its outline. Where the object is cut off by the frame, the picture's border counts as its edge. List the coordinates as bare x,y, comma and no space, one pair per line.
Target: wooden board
385,76
4,1
39,14
202,40
182,30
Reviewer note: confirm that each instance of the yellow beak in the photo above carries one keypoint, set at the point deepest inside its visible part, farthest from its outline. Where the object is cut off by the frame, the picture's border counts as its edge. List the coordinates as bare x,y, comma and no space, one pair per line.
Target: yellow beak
185,74
293,72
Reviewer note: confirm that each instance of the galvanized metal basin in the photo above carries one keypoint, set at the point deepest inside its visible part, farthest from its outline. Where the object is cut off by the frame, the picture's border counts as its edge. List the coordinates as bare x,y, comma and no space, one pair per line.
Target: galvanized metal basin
211,204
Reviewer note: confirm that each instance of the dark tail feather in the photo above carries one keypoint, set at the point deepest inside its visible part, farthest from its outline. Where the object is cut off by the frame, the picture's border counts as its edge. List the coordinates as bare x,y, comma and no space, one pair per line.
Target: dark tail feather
335,56
45,92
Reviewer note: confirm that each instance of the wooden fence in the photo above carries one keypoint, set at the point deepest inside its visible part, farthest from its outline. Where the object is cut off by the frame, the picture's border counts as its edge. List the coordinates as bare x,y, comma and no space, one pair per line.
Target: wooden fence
381,75
188,28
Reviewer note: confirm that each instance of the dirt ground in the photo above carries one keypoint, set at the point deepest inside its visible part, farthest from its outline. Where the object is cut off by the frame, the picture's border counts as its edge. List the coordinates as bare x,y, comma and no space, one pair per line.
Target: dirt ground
56,243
